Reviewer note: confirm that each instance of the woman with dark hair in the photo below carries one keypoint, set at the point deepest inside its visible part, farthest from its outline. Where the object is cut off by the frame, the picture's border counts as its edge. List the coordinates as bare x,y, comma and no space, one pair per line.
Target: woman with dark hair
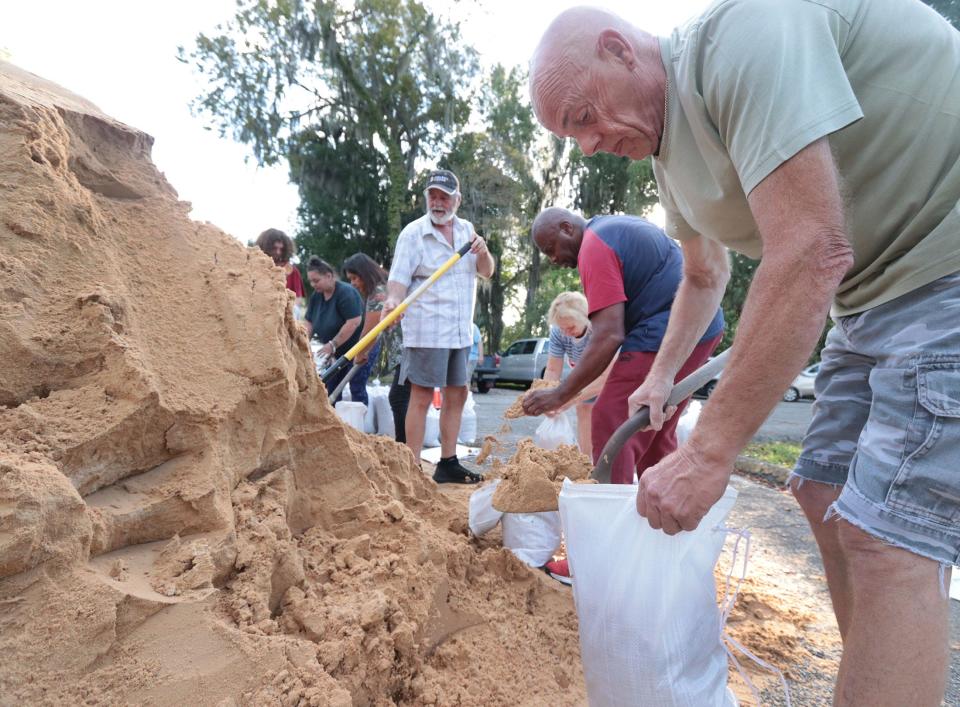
279,246
370,280
334,313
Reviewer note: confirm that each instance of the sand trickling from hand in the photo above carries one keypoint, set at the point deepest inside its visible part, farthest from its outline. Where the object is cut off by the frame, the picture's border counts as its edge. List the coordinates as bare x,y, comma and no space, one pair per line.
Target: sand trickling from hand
516,408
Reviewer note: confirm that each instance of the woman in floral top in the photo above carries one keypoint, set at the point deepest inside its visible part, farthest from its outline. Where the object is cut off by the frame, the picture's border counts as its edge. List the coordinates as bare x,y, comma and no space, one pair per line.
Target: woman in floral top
370,280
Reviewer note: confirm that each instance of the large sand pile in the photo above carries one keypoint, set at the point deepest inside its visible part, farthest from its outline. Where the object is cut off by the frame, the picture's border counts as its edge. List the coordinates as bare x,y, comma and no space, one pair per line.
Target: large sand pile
183,519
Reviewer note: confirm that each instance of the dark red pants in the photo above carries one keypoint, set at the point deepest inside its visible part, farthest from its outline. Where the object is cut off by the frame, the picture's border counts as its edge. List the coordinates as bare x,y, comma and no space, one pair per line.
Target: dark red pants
646,448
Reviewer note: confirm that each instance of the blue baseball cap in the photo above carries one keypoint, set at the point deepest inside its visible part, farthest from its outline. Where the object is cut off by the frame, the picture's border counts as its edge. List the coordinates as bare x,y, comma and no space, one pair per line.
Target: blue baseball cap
444,180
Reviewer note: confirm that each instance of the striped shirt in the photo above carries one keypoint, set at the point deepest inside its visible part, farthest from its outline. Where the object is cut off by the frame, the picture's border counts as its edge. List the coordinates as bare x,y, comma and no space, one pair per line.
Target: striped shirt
561,344
442,317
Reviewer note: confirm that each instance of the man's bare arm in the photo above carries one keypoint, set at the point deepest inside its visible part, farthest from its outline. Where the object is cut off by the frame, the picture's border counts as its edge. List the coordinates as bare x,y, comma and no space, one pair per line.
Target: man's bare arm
799,211
706,270
607,336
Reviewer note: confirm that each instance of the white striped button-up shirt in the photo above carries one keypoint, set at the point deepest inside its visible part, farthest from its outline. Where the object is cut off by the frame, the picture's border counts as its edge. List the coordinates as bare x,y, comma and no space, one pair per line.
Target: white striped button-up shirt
442,317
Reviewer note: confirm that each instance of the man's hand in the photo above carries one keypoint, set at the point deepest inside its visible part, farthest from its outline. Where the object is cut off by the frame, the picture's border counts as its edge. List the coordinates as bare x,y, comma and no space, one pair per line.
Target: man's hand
541,402
678,492
478,246
390,304
653,392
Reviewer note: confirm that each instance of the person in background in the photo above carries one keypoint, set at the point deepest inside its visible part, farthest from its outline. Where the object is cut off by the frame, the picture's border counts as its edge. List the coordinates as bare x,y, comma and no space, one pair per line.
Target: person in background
370,280
630,271
569,335
820,137
476,353
279,246
334,314
437,331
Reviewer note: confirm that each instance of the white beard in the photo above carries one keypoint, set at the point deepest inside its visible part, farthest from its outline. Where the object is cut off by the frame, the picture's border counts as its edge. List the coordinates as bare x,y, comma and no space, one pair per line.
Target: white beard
441,220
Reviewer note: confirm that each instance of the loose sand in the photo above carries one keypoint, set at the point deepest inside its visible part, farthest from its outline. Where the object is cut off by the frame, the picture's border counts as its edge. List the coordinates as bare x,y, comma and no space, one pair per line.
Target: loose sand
533,476
516,409
183,518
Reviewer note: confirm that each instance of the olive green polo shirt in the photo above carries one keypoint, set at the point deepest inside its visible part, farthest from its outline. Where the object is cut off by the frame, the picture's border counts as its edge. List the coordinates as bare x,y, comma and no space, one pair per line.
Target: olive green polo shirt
753,82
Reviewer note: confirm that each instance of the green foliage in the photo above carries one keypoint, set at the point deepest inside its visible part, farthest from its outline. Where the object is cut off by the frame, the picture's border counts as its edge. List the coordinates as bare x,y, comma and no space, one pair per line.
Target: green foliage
315,78
607,184
342,192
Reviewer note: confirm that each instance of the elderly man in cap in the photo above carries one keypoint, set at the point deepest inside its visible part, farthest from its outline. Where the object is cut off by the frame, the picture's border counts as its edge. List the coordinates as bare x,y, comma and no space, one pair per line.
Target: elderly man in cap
823,135
438,326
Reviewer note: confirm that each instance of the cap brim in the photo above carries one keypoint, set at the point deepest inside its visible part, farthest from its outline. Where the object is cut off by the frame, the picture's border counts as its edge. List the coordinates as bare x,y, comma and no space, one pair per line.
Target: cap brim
445,190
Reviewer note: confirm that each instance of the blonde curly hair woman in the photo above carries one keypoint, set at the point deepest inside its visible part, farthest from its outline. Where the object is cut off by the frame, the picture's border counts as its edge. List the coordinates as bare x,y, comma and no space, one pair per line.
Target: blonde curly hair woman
569,335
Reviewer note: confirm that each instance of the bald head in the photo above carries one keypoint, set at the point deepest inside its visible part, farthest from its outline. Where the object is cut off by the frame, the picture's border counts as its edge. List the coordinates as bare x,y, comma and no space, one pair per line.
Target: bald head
600,80
558,233
566,49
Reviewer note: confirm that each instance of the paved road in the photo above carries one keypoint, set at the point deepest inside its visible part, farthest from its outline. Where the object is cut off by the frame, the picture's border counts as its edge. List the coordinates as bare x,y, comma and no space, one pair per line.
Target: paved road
772,516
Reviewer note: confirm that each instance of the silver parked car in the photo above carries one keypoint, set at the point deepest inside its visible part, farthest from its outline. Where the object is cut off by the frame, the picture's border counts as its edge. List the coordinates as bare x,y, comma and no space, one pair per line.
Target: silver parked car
802,386
525,360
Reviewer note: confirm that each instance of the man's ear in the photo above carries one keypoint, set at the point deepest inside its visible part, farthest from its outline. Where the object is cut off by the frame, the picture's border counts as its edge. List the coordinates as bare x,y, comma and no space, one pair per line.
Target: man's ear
613,45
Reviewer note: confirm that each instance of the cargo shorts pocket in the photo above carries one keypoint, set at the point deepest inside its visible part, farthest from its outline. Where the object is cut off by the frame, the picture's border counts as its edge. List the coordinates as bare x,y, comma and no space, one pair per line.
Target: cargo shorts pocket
928,481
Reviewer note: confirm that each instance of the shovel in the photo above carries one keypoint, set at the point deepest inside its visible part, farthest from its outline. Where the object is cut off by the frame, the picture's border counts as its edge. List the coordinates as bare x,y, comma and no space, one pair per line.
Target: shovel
371,335
681,391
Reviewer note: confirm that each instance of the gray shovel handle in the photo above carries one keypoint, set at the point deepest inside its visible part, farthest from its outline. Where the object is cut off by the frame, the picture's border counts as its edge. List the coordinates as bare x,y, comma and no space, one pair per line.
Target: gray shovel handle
681,391
343,384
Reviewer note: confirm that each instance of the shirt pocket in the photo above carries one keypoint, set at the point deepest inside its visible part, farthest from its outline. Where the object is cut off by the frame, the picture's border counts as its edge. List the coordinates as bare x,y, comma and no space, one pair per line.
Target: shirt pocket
928,481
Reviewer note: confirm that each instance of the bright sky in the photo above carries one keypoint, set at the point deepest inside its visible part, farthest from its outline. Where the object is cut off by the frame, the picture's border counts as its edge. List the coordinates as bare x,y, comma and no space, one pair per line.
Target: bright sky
121,55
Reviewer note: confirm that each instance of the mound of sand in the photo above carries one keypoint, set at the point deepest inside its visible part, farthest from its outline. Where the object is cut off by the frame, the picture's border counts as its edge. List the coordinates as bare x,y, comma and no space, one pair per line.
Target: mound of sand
533,476
183,519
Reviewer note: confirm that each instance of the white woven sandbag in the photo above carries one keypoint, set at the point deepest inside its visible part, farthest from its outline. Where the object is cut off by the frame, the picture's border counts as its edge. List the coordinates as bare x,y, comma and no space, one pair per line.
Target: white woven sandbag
532,537
650,627
483,517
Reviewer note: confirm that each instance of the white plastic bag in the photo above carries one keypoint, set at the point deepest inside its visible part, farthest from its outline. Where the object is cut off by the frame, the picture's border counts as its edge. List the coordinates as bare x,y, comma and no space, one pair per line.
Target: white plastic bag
431,429
483,516
351,413
554,431
532,537
650,627
380,401
468,421
688,420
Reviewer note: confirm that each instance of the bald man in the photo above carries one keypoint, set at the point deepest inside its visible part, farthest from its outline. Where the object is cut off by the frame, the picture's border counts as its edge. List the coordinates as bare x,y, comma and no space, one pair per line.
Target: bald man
630,271
756,113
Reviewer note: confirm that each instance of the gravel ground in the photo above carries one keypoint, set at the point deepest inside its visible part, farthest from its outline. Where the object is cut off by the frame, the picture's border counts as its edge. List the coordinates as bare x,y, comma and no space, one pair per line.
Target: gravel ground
783,552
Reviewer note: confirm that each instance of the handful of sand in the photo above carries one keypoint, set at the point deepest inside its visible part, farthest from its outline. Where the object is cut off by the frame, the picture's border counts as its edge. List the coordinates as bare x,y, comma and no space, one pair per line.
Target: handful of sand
516,409
532,477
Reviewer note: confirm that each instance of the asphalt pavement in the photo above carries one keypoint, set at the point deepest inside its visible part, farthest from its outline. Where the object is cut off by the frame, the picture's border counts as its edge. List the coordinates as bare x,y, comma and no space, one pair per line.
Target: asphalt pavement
771,514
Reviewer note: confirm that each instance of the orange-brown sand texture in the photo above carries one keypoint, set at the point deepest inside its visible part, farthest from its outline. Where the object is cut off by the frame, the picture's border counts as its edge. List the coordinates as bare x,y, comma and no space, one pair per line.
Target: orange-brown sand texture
183,518
533,476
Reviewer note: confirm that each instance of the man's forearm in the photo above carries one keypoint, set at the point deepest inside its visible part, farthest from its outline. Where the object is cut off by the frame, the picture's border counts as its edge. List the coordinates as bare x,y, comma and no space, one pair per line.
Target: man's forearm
706,272
486,265
396,291
781,322
597,356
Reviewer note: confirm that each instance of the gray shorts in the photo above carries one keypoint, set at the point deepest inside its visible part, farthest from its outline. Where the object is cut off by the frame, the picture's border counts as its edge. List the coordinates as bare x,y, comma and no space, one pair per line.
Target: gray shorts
434,368
886,422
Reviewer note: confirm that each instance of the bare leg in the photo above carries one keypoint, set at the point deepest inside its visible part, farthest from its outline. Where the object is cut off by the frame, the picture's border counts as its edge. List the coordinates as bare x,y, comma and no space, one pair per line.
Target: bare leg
584,410
454,398
895,648
420,399
815,499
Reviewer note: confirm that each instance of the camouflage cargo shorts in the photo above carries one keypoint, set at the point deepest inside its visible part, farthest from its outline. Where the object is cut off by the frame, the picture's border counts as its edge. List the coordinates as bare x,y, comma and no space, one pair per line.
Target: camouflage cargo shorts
886,422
